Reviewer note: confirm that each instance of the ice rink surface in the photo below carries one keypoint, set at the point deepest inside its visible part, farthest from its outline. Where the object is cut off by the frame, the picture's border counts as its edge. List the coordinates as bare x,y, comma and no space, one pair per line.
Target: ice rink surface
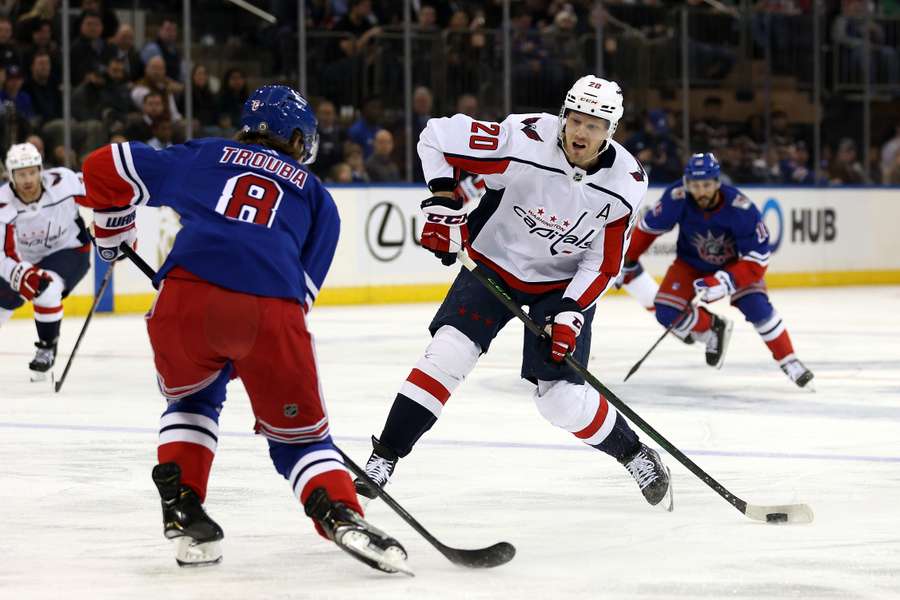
80,516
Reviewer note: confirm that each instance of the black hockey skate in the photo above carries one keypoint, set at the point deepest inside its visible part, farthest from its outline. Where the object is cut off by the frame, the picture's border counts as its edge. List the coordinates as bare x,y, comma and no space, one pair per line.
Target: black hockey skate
717,341
796,371
354,535
43,360
184,518
379,468
652,476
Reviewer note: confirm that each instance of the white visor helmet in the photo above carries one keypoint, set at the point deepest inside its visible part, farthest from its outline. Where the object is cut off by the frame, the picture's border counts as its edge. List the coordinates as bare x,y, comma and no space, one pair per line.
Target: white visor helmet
596,97
21,156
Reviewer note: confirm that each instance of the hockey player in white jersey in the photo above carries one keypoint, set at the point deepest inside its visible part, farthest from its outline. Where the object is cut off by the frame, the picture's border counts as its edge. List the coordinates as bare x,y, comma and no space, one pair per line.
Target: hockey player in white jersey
44,246
560,201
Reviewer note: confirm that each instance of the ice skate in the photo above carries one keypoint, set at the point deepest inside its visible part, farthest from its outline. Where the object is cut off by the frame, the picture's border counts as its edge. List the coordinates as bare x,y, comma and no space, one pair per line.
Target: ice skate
355,536
379,468
184,518
717,339
653,477
43,360
797,372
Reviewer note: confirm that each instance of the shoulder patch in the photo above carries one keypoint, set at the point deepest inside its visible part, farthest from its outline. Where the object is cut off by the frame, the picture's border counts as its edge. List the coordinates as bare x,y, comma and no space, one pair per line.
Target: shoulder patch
638,175
530,128
741,201
55,178
677,193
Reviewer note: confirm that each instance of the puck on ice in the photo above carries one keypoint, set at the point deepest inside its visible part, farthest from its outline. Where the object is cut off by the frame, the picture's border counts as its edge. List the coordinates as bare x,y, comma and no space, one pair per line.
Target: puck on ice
776,517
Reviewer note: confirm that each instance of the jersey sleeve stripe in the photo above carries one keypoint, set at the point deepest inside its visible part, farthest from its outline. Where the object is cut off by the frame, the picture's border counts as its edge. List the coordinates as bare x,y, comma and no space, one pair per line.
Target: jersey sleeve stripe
474,165
9,242
124,163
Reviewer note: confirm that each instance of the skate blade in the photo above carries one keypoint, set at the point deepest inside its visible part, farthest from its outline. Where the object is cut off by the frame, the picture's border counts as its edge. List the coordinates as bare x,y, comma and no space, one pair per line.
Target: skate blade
391,560
188,553
725,339
668,502
38,376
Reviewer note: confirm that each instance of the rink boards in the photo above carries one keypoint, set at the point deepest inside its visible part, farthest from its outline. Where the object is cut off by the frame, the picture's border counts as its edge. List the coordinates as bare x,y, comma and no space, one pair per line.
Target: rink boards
843,236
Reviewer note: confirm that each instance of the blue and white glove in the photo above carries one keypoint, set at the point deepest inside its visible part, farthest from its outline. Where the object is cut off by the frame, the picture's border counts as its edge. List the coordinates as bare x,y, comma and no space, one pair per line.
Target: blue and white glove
714,287
111,228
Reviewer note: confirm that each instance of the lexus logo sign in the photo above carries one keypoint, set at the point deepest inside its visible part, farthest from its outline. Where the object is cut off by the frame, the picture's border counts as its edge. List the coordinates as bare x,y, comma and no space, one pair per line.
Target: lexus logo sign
385,231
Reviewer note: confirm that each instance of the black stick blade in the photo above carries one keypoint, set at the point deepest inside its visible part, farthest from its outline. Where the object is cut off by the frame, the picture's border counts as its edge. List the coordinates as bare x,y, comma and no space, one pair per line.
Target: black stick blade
483,558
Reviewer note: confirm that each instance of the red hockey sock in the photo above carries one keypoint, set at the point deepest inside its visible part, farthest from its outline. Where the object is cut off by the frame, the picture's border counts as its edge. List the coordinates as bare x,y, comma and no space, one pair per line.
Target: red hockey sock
781,346
704,321
339,488
195,462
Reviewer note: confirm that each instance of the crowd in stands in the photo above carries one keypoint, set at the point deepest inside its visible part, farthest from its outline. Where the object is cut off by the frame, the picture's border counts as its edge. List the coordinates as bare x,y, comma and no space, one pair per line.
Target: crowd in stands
124,92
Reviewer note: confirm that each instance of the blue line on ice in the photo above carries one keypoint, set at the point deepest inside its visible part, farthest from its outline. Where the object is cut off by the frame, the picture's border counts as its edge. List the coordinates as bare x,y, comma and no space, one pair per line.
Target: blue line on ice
480,444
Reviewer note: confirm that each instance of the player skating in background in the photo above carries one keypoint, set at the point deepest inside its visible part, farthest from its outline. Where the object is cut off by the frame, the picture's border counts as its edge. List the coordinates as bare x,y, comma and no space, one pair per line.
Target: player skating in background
44,246
561,197
723,250
259,234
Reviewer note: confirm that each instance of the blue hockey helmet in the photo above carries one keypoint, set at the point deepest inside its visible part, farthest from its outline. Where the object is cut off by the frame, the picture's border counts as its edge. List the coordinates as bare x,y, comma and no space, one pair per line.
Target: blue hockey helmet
702,165
281,110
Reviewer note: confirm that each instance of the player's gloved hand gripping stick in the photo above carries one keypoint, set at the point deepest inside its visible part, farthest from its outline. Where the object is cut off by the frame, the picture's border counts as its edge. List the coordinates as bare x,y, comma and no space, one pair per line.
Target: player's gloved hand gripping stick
786,513
491,556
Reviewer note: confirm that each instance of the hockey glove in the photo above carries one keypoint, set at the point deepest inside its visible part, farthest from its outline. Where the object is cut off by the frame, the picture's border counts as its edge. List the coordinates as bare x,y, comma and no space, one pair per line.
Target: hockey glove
714,287
445,232
564,328
29,280
111,228
629,271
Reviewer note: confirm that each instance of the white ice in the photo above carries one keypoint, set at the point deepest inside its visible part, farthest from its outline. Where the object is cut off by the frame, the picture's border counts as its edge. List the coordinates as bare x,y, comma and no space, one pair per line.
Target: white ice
80,516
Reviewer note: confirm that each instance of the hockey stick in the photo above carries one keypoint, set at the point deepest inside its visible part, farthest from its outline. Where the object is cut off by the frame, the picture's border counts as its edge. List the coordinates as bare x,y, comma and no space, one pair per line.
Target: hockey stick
787,513
103,284
683,315
492,556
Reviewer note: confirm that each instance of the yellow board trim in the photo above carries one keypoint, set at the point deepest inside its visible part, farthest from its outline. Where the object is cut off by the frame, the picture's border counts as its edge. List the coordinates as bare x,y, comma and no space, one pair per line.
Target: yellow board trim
398,294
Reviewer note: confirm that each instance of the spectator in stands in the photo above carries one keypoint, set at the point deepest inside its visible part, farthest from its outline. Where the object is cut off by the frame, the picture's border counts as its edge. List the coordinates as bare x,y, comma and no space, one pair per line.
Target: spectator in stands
37,142
107,16
204,103
88,108
155,79
793,167
782,132
140,128
535,77
42,11
563,43
664,165
844,167
116,95
422,105
467,104
12,92
849,31
340,173
331,139
709,132
122,45
351,52
363,130
165,46
891,174
9,54
162,134
381,166
89,48
45,94
889,154
42,41
467,54
353,156
231,100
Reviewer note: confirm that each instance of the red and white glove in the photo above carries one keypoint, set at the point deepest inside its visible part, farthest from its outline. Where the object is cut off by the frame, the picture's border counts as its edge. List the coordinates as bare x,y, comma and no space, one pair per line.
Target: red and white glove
629,271
714,287
29,280
564,330
111,228
446,231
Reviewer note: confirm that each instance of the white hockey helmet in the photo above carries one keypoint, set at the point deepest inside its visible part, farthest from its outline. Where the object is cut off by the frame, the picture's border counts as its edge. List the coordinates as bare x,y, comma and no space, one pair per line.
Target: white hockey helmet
21,156
594,96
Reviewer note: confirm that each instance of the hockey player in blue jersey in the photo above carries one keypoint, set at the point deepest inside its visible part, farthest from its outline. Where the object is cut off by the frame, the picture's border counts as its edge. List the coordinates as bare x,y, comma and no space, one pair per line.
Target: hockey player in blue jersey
723,250
258,236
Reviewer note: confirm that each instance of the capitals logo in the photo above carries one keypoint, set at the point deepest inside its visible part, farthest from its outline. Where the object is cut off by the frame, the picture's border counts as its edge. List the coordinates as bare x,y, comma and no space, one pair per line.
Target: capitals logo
716,250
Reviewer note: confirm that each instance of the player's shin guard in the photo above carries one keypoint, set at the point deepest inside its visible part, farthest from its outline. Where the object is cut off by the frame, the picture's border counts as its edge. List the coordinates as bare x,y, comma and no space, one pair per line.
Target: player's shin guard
584,412
775,335
449,358
188,437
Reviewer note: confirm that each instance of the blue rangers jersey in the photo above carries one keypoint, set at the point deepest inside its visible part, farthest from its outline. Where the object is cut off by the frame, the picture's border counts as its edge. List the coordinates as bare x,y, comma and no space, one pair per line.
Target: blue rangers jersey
710,240
253,220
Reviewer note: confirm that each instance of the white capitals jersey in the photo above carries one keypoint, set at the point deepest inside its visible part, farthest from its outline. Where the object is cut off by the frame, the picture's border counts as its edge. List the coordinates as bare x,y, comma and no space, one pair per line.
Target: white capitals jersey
31,232
542,224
